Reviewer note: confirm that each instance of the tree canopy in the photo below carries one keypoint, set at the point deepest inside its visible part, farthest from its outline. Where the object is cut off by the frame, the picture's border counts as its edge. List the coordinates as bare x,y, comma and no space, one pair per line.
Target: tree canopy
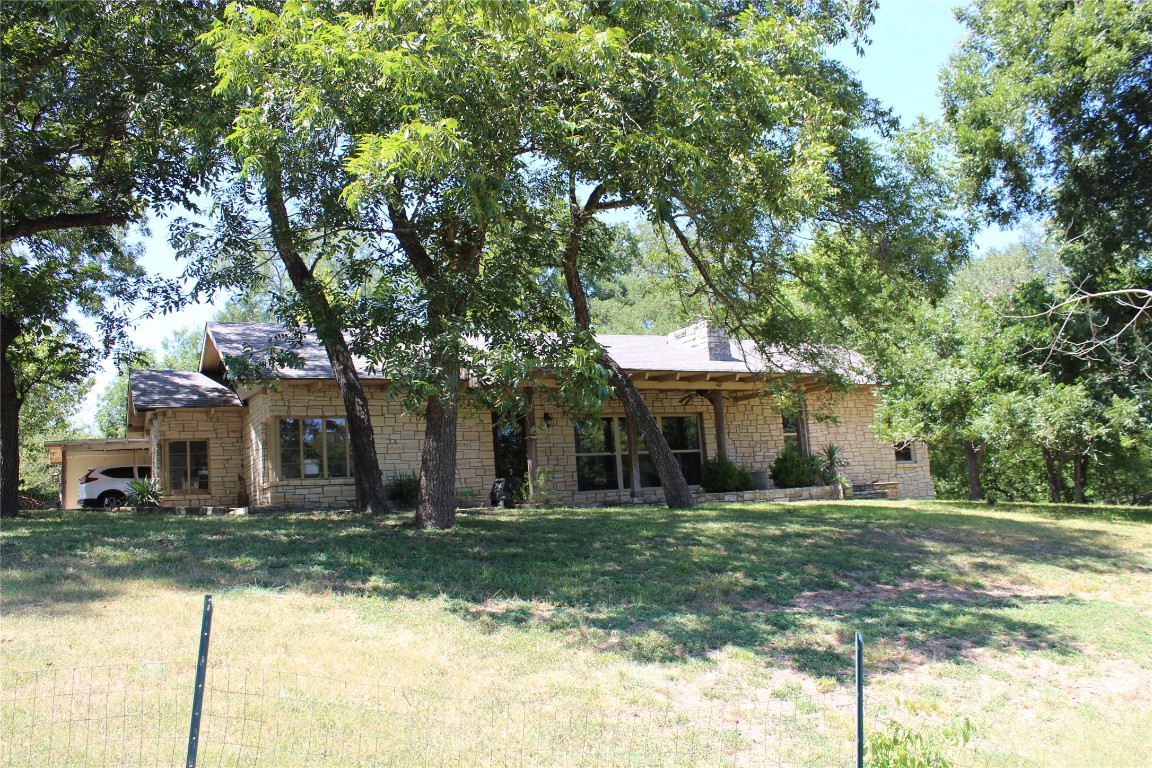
106,111
1051,107
454,160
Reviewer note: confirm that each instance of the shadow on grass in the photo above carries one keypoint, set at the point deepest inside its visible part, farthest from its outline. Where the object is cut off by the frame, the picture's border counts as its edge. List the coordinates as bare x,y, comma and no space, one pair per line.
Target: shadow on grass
788,582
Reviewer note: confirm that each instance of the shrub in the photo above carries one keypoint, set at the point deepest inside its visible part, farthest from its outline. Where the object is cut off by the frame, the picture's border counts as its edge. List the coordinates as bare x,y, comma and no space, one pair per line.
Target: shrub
829,462
142,492
721,475
794,469
403,489
897,746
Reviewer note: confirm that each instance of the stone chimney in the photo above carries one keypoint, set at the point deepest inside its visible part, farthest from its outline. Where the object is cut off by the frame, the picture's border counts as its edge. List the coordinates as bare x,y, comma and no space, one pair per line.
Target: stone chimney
700,335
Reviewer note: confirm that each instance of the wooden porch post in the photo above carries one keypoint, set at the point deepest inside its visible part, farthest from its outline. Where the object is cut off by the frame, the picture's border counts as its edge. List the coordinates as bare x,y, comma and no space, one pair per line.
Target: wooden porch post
63,475
717,398
633,456
530,441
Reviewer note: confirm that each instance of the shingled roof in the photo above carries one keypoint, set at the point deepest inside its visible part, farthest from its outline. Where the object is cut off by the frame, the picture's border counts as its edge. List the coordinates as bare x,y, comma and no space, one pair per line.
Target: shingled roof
695,349
258,339
153,390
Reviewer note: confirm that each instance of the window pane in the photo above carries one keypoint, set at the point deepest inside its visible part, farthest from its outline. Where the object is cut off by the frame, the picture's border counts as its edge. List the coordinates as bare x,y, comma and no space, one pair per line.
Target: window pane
904,452
289,449
313,447
337,440
177,465
198,464
789,425
594,436
622,437
690,466
509,447
649,478
596,473
681,432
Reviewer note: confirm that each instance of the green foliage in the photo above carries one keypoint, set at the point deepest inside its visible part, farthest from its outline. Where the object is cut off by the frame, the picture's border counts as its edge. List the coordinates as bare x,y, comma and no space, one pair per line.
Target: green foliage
793,468
635,291
105,114
1051,108
898,746
543,490
978,367
403,489
47,415
720,474
828,464
143,492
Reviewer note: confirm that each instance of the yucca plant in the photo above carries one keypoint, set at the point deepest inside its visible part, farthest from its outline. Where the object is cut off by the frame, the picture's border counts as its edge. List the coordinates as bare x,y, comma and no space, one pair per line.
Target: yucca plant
142,492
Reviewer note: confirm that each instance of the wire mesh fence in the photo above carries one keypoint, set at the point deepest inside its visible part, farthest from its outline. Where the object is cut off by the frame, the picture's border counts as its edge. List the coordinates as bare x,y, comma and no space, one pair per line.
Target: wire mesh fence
131,714
138,714
202,714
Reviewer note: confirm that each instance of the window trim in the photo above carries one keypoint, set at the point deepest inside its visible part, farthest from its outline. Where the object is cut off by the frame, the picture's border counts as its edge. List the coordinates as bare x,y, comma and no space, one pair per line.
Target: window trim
615,452
621,453
187,490
324,475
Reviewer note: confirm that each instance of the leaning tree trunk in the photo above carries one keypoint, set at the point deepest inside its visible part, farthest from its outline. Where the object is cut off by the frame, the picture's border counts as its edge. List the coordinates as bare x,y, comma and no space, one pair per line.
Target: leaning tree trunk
10,403
361,437
972,456
676,493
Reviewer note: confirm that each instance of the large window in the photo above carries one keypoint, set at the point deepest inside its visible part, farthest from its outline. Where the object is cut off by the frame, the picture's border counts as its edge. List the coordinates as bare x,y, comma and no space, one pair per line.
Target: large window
600,443
602,453
313,448
187,465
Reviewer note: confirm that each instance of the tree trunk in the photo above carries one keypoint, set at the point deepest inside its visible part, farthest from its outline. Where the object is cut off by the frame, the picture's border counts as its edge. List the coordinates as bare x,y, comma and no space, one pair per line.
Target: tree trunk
10,404
329,329
436,506
676,493
1052,470
972,456
1079,478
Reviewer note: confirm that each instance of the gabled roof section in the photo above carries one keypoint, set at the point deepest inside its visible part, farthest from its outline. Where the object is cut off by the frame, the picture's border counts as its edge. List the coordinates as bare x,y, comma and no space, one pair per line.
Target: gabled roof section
157,390
695,349
259,339
664,353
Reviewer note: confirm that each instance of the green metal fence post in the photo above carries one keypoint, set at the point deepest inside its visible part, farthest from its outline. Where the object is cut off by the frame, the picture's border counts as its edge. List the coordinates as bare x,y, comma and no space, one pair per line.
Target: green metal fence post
201,673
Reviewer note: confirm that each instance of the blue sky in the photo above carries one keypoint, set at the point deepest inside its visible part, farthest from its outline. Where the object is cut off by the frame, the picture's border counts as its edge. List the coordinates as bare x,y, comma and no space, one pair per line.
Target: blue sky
910,41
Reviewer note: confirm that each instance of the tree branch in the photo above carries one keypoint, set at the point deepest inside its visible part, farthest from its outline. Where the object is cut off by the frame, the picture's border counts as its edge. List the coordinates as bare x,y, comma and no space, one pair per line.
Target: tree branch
29,227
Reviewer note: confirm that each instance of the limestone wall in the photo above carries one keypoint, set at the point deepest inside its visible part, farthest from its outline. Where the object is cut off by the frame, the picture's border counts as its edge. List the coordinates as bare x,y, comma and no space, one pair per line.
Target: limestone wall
869,460
222,428
398,441
243,444
755,434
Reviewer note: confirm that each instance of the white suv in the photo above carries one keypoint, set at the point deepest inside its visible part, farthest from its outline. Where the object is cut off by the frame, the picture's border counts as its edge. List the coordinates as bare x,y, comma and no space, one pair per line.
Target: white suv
108,486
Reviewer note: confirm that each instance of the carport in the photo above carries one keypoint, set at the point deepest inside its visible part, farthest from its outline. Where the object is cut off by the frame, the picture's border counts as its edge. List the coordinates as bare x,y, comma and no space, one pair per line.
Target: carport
76,457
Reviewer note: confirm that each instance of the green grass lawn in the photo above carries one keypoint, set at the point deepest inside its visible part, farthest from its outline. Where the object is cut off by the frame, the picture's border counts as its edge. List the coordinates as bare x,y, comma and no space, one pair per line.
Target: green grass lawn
595,636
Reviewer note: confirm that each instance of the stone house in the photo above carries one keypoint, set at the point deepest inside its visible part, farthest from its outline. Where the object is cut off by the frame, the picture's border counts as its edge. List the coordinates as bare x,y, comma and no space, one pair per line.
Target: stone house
284,442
